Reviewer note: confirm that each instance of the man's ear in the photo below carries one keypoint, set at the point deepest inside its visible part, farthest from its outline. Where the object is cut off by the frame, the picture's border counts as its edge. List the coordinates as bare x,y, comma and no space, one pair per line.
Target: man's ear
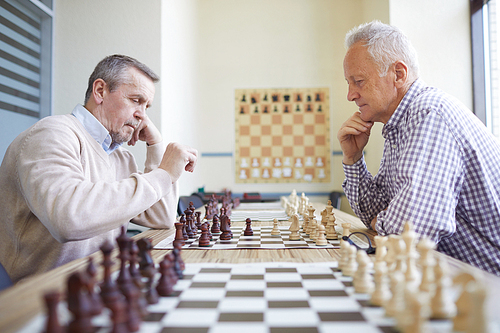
401,71
99,90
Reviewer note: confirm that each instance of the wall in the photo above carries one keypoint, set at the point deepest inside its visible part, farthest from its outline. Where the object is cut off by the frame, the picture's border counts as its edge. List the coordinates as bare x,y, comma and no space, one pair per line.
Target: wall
87,31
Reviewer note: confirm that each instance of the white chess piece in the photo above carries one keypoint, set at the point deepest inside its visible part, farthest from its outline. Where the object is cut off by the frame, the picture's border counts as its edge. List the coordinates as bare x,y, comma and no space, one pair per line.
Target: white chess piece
243,174
287,161
287,172
265,174
308,177
321,239
255,163
319,162
276,173
363,281
298,175
275,230
309,161
298,163
321,174
277,162
244,163
266,162
351,265
294,228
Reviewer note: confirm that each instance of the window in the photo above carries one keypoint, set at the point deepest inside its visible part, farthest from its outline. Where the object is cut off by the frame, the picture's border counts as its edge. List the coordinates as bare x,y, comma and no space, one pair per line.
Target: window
26,57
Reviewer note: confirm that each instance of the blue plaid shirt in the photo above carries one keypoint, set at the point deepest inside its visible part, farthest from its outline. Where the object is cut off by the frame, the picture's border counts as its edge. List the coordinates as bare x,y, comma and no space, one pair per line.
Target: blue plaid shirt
440,170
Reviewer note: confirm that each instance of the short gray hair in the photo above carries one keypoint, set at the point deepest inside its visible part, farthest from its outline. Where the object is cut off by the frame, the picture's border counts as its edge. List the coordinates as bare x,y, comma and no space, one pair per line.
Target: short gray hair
113,70
386,44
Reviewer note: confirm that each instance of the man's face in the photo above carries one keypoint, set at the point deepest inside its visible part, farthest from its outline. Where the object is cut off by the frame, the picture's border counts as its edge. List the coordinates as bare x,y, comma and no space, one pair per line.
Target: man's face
375,96
124,108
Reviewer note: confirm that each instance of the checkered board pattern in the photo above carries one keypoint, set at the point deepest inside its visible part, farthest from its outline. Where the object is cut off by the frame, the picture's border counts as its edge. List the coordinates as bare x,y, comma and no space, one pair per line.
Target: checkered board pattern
261,239
260,298
282,135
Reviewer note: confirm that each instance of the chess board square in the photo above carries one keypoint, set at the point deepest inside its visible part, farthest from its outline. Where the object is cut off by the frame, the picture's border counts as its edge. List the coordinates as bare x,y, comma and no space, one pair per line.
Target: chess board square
351,327
184,330
242,304
341,316
294,317
281,270
283,277
184,318
282,294
278,245
317,276
337,304
214,270
165,304
241,316
208,285
327,293
323,284
247,277
246,285
287,304
198,304
245,293
294,330
248,327
202,294
154,316
210,277
284,284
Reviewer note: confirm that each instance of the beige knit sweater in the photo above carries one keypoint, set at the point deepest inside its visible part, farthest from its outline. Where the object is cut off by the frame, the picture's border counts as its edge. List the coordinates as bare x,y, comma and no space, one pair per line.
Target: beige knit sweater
62,196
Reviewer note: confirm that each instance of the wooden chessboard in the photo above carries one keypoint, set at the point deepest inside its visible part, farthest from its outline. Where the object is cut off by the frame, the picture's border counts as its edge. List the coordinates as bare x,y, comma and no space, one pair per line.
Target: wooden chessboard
282,135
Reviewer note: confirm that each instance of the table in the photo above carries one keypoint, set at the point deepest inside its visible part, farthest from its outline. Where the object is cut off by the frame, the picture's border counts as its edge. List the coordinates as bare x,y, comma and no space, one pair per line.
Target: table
23,301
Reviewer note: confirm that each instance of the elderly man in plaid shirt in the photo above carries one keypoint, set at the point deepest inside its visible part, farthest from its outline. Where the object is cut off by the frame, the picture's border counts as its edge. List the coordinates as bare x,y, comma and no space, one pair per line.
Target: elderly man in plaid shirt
440,168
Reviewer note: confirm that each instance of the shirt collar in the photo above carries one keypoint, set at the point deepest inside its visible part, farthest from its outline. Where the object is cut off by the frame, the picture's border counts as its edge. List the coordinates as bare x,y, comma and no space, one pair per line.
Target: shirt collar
400,112
95,128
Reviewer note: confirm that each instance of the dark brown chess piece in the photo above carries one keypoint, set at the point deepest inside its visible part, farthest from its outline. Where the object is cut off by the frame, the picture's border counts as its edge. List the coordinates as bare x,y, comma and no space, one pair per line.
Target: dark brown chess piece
137,278
91,272
126,285
147,268
209,234
198,219
79,304
215,225
51,301
204,241
168,277
179,237
248,230
225,228
179,265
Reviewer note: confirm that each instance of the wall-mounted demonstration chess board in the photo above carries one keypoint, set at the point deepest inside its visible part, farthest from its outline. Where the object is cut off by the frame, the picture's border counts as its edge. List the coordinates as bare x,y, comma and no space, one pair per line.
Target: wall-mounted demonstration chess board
282,135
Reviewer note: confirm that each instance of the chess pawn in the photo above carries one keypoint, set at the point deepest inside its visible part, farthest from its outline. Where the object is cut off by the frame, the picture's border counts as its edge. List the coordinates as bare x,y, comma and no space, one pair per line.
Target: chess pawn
380,242
442,305
412,275
390,257
464,302
51,301
427,262
381,292
79,304
351,265
331,232
344,255
363,282
275,230
321,240
95,299
397,302
413,319
248,230
168,277
400,251
204,241
215,225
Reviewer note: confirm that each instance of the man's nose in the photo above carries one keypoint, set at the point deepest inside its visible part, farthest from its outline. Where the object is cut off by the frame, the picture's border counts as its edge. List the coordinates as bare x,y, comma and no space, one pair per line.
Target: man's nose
352,94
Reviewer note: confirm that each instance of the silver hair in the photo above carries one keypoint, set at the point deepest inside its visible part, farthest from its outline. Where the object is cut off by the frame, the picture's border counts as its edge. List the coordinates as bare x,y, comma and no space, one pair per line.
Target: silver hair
386,44
113,70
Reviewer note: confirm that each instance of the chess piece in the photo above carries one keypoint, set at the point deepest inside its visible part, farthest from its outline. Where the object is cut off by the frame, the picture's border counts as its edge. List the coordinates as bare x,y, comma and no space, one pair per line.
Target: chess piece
248,230
412,275
109,291
225,228
313,225
147,268
179,236
209,234
179,265
345,230
381,292
397,302
275,230
351,265
215,225
204,240
52,324
294,228
168,277
427,262
400,251
321,239
464,302
94,298
363,281
331,233
442,305
79,304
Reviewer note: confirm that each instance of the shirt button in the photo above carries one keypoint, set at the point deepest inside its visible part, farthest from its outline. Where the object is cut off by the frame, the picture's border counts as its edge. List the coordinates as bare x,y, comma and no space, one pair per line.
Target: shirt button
355,175
394,146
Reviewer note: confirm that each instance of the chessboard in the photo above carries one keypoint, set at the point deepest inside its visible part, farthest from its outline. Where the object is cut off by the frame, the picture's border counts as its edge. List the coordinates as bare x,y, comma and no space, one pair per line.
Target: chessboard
282,135
261,239
258,298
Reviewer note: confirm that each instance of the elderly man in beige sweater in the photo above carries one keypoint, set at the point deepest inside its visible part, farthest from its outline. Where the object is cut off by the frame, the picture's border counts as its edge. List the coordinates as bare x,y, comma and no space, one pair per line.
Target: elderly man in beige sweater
67,184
